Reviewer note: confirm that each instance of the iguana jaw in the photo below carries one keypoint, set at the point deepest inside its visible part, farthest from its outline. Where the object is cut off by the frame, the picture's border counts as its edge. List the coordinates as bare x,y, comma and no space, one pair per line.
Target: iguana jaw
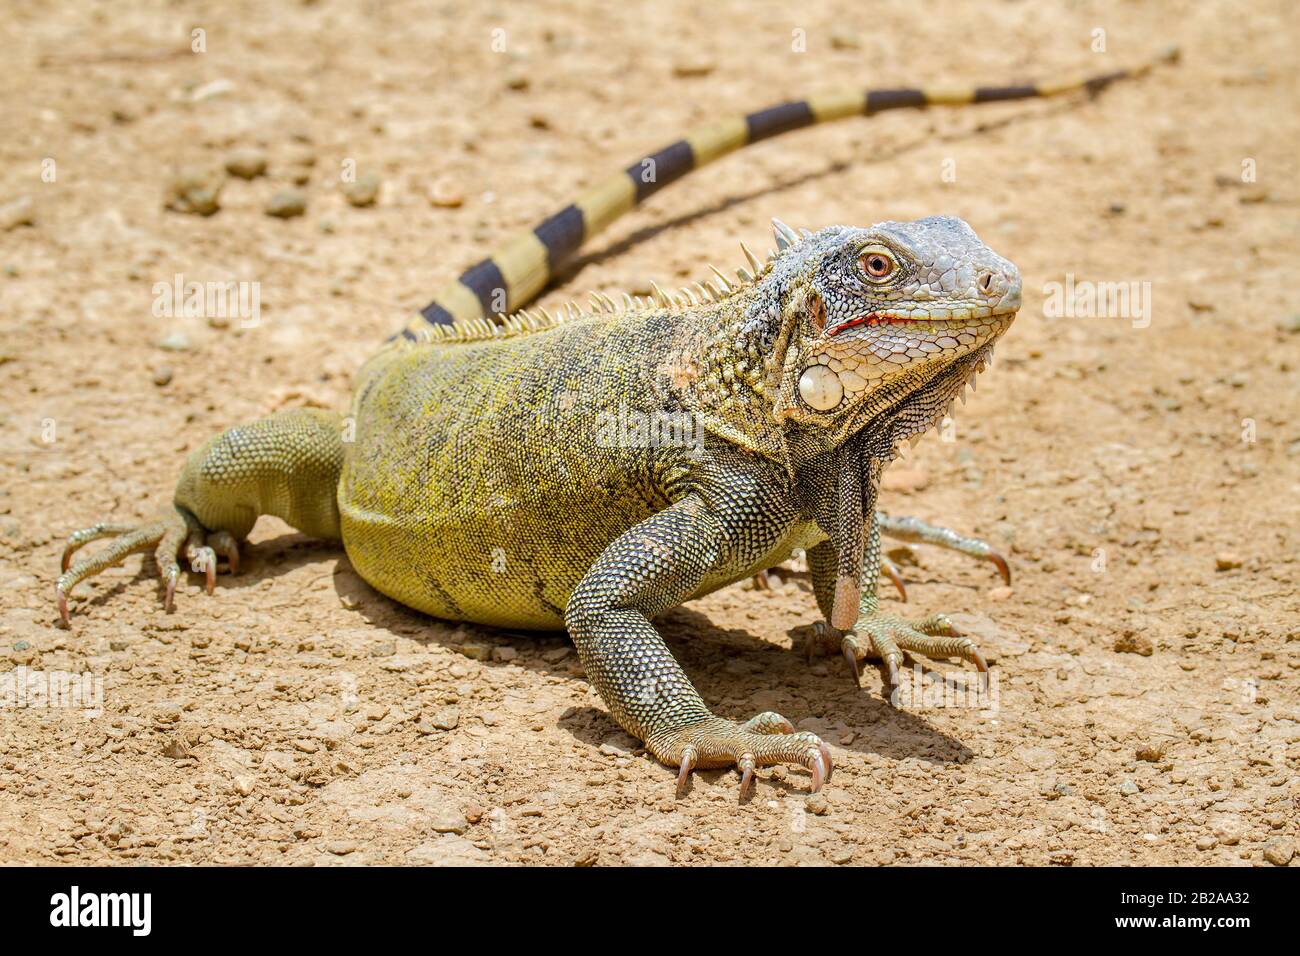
953,317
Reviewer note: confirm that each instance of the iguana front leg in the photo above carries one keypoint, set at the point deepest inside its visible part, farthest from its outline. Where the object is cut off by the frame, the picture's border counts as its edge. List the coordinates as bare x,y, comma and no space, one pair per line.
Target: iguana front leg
648,569
877,634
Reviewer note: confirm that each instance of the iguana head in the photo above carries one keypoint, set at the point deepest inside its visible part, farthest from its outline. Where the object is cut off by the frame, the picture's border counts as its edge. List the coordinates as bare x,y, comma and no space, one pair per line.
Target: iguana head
874,315
868,332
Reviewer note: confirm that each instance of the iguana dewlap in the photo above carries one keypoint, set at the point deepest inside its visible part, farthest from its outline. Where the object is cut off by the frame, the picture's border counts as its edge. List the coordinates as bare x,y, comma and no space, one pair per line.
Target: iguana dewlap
594,469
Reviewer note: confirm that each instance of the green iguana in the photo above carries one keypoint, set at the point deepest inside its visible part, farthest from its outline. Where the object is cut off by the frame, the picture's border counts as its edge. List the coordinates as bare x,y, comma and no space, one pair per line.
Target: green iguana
513,471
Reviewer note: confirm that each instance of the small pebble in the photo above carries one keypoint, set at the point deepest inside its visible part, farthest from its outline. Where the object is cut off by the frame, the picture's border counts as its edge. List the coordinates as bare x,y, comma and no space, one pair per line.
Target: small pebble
1279,852
1229,831
176,750
246,163
444,719
447,820
1131,642
693,67
162,375
17,212
287,204
1128,788
195,191
244,784
175,342
445,195
841,855
1227,561
364,191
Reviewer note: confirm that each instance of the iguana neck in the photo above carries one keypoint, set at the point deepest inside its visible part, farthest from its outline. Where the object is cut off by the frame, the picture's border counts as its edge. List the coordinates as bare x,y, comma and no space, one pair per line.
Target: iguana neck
734,349
734,352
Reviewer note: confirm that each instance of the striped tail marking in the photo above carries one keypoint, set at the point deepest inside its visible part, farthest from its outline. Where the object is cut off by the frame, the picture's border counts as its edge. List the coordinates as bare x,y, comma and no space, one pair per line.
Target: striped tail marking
519,270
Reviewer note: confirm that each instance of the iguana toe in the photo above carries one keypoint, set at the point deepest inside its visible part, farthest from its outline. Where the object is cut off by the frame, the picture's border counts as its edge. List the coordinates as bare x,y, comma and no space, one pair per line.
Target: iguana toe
171,533
887,637
763,741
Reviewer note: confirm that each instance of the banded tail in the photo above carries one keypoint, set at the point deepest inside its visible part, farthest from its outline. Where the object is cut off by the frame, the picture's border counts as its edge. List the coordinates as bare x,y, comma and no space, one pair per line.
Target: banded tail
518,271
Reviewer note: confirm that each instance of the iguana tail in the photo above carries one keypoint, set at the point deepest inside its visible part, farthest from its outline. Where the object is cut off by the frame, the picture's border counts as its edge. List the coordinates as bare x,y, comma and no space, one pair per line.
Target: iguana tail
519,269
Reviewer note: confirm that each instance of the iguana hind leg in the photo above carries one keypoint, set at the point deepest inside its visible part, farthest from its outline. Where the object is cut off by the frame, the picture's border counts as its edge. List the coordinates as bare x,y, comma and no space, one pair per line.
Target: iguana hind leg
650,568
916,531
287,465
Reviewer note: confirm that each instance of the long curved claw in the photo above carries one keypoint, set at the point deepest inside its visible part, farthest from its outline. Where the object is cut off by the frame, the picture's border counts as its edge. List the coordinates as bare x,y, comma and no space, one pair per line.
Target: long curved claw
819,767
1003,568
891,662
746,767
64,618
224,544
977,659
853,665
204,559
891,571
716,742
690,756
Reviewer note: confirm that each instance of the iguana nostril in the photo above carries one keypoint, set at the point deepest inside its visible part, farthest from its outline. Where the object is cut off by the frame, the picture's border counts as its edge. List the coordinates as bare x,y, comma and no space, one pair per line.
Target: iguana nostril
987,281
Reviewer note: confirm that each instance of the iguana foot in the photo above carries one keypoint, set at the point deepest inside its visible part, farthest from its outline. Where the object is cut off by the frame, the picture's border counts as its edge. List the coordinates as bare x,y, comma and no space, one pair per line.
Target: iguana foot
886,637
760,742
171,533
916,531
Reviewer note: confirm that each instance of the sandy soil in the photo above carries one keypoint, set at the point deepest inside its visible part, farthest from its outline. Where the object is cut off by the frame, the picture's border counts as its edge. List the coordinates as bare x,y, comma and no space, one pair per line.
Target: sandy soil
1148,655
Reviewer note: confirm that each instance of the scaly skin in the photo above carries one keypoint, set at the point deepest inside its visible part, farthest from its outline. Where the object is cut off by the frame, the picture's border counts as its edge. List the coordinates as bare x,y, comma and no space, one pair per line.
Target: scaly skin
497,481
501,472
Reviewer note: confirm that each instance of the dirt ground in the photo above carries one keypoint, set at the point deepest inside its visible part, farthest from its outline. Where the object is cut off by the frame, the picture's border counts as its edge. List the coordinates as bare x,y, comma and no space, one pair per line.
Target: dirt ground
1143,477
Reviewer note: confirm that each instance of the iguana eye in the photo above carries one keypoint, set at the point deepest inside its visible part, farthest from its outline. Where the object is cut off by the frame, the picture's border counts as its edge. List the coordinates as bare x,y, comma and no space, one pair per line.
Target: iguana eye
877,265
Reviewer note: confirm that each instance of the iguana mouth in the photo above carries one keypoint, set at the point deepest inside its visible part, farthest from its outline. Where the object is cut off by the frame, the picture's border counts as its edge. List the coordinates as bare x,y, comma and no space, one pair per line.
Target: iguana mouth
893,318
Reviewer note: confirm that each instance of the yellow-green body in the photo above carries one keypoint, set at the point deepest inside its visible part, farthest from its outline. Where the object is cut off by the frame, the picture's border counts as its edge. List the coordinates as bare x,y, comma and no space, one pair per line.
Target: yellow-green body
485,478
